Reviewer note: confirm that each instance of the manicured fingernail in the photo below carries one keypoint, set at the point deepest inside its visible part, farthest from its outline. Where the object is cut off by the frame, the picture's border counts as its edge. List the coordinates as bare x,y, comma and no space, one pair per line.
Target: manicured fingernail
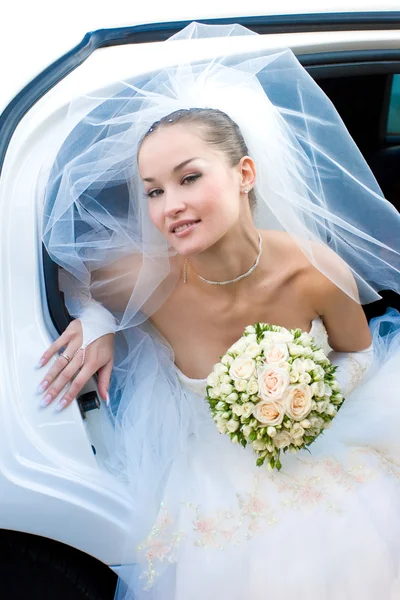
42,387
40,363
107,399
62,404
46,400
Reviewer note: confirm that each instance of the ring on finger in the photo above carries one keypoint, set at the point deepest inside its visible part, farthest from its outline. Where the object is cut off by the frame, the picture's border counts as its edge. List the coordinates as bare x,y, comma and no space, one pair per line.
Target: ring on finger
67,358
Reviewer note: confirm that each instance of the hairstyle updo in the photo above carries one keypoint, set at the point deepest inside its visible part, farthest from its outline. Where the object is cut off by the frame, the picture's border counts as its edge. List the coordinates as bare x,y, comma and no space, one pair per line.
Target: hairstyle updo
216,129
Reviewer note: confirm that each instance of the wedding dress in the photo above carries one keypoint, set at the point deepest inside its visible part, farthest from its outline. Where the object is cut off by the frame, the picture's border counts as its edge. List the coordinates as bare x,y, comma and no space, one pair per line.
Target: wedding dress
326,527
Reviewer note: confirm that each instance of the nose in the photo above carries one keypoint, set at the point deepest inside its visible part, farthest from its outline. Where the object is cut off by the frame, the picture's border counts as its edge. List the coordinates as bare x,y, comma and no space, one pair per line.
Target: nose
173,205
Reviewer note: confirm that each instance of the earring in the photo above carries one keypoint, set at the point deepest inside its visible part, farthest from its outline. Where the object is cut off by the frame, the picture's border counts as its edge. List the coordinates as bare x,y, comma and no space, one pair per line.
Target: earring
246,191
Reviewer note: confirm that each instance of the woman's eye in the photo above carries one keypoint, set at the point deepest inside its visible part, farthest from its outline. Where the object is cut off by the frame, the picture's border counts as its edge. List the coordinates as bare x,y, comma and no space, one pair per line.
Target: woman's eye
154,193
191,178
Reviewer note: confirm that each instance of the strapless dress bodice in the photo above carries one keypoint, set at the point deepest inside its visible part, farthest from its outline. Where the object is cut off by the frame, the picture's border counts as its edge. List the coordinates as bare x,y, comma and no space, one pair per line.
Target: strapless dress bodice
198,386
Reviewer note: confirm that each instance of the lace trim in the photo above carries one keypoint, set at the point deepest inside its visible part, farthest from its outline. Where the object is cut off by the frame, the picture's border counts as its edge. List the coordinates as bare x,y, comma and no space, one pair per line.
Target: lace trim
262,506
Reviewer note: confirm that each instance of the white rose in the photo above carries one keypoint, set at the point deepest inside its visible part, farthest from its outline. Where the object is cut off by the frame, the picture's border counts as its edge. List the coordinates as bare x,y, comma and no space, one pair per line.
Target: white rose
272,382
318,373
271,431
238,347
295,350
305,339
294,377
335,386
231,398
275,355
213,379
307,352
241,385
221,426
269,412
327,390
298,366
318,389
232,425
258,445
282,440
305,423
278,337
237,409
247,409
297,431
247,431
234,439
252,387
309,365
297,401
321,406
226,360
331,410
226,388
220,369
316,422
253,350
214,392
250,329
304,378
242,368
225,378
298,441
220,406
320,356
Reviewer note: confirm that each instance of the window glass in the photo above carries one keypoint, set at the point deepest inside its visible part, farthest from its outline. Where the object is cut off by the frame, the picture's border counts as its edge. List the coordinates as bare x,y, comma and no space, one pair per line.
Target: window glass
393,123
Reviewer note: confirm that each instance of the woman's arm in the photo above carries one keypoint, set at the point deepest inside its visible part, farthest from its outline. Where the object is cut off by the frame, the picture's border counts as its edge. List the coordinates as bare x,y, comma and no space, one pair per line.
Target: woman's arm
348,333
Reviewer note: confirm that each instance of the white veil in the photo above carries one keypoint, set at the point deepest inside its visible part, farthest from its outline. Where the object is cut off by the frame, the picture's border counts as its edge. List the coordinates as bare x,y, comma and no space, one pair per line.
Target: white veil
312,182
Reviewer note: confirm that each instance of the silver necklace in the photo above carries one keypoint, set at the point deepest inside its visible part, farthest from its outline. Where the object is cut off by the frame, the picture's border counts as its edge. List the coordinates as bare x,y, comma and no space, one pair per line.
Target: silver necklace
249,272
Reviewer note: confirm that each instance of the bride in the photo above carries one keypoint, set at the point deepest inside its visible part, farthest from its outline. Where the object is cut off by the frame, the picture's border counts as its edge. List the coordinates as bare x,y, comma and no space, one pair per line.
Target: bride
237,210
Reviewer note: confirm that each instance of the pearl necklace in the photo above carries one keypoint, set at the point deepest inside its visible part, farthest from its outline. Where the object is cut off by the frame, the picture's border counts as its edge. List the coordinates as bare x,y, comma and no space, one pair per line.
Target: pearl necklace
249,272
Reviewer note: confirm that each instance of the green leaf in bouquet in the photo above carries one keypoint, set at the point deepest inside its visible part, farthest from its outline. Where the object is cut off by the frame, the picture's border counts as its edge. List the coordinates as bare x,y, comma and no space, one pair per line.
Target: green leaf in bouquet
260,462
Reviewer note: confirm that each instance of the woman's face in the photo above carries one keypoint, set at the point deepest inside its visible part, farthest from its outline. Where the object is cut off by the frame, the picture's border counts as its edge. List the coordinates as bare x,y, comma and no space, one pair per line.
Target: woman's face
194,194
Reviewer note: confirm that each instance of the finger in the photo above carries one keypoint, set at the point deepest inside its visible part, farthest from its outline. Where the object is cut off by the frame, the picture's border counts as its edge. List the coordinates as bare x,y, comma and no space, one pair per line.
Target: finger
58,366
62,378
76,386
56,346
103,381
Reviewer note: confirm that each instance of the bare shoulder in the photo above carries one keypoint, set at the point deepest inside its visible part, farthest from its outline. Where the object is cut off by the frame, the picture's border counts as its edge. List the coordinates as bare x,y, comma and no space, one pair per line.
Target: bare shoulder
283,251
329,287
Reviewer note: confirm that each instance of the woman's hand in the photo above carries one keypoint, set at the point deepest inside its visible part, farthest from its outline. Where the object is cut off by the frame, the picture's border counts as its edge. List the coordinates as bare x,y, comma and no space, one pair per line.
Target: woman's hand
98,357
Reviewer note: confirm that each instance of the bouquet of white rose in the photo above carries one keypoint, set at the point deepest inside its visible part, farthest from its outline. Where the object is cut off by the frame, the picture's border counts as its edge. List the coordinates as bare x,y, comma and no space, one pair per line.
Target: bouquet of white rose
274,389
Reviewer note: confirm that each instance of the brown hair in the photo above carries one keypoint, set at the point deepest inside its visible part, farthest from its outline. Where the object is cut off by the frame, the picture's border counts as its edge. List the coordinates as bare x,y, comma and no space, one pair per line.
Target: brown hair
217,129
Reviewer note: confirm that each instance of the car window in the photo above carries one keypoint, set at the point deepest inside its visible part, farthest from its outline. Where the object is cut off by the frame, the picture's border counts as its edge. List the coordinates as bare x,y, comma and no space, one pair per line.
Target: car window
393,122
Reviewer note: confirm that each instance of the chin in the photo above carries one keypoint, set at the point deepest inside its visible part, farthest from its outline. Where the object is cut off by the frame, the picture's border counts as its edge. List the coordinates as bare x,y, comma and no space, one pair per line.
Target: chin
190,248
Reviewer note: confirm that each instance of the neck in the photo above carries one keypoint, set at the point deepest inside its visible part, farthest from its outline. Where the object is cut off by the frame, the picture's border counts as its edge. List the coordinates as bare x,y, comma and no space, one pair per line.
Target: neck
229,258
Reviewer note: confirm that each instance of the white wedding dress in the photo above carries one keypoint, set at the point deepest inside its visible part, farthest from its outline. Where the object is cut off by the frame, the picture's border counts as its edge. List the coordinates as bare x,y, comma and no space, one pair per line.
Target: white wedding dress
326,527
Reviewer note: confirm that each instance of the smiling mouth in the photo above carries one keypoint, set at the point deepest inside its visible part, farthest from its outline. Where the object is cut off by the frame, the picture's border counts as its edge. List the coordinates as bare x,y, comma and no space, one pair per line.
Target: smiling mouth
185,226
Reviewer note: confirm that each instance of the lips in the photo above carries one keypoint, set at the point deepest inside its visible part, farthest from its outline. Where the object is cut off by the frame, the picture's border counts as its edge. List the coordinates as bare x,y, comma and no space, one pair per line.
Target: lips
181,226
184,228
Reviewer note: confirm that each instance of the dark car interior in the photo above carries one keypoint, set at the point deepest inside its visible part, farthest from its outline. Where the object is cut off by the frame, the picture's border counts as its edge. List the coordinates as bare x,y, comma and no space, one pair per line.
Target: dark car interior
363,102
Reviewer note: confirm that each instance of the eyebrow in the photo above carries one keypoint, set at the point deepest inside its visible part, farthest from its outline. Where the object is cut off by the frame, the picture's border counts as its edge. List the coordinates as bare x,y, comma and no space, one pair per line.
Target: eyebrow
175,169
